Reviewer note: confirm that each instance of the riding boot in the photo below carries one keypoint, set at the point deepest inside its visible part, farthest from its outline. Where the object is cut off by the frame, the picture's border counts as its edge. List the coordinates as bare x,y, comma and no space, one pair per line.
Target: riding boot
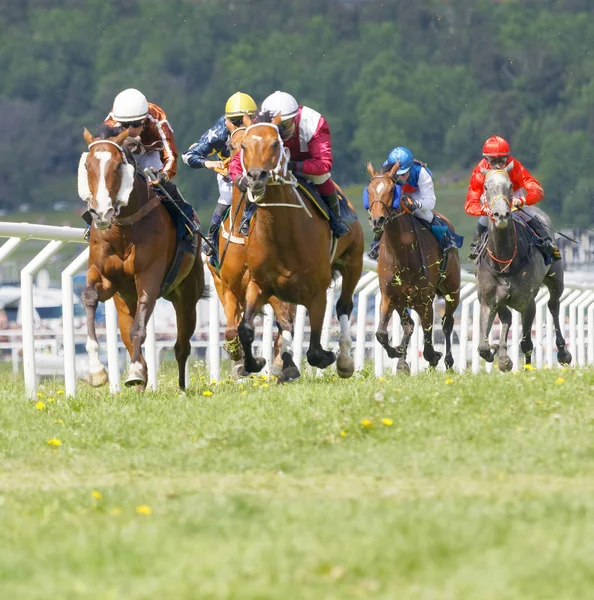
375,244
88,219
192,226
215,224
475,246
442,233
544,243
248,213
340,228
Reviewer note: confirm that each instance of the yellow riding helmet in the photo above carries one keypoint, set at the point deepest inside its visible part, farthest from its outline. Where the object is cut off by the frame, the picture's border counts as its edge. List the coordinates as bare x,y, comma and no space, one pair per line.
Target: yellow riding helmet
240,104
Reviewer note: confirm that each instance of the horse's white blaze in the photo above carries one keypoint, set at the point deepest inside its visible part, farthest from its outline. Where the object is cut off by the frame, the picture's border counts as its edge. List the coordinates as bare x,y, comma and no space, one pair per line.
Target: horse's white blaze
127,184
95,365
380,187
102,196
83,179
256,137
344,341
287,343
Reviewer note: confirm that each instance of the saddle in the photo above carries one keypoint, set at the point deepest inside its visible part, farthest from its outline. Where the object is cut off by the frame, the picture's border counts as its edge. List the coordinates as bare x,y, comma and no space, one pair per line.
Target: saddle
347,214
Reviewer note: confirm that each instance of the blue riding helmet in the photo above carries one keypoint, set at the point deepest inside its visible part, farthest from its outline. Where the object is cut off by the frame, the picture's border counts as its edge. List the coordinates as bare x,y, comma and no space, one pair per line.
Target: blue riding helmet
403,156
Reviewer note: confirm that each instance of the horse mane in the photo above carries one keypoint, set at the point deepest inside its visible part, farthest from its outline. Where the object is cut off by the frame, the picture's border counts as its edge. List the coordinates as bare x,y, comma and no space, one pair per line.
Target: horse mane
264,116
105,131
385,168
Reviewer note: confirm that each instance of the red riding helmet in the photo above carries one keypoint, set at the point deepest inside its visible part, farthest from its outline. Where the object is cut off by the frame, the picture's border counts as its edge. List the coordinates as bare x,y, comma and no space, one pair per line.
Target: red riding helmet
495,146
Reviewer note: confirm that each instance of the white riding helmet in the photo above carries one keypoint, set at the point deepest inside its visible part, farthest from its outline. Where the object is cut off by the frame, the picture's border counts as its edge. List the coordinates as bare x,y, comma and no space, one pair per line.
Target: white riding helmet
283,103
129,106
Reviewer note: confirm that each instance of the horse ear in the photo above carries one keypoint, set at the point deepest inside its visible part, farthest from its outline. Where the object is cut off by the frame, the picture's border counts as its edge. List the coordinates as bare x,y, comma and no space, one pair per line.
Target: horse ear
88,137
392,172
247,120
484,171
119,140
277,120
371,169
509,167
229,125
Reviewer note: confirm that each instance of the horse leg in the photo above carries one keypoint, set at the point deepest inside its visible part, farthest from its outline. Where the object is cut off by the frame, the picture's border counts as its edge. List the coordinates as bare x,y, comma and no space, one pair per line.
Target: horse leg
90,300
232,318
284,367
487,317
408,327
526,344
125,319
254,301
430,354
316,355
147,288
504,361
447,325
555,284
381,334
351,272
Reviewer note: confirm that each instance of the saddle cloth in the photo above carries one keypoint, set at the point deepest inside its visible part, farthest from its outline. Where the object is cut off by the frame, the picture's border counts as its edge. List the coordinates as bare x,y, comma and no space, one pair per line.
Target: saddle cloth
309,189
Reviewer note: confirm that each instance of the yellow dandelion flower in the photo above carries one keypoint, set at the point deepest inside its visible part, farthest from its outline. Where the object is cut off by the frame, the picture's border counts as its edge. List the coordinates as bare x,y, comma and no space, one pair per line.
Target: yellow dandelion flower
448,381
58,422
244,393
202,378
51,399
264,377
343,434
40,394
540,403
387,422
559,380
40,405
366,423
207,393
96,494
60,392
143,509
264,385
54,442
563,369
256,384
382,379
214,382
528,368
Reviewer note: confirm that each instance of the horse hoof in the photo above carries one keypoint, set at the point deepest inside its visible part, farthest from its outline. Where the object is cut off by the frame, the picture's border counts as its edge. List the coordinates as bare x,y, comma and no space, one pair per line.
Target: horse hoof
435,359
276,369
345,367
237,371
506,364
135,375
391,352
98,379
564,357
403,368
289,374
321,361
449,362
255,365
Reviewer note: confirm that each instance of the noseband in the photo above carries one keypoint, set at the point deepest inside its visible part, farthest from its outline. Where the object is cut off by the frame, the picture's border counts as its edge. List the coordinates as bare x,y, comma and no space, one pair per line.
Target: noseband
393,213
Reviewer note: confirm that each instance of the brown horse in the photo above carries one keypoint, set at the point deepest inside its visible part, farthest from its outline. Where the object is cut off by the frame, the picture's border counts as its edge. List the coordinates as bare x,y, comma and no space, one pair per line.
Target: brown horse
232,279
289,254
132,246
409,274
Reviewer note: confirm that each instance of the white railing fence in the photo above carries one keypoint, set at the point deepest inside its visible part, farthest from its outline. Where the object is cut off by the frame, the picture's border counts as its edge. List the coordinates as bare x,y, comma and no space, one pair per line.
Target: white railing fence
577,318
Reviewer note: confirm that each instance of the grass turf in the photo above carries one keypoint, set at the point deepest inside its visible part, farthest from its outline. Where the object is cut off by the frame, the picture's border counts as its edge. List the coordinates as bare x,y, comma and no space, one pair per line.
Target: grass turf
425,487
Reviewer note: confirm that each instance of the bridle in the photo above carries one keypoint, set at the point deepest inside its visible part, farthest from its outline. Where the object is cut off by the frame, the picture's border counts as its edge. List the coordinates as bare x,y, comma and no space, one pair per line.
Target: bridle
392,212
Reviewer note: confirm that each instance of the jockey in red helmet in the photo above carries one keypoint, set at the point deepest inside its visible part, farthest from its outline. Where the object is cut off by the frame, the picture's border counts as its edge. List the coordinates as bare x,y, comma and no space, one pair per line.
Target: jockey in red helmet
527,191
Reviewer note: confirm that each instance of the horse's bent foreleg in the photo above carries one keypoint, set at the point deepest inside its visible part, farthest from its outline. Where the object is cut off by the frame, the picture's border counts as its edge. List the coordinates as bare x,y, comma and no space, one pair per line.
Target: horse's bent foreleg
486,322
345,366
447,324
408,327
316,355
381,334
526,344
232,318
254,301
283,362
555,285
505,316
430,354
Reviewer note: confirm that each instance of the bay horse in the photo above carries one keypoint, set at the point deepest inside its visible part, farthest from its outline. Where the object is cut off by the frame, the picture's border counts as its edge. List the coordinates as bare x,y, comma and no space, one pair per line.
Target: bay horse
132,246
409,273
232,277
289,253
510,273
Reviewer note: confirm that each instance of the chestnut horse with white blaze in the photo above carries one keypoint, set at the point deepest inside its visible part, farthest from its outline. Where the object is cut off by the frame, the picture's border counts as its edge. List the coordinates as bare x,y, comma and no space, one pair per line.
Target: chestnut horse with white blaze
232,277
409,274
132,247
289,254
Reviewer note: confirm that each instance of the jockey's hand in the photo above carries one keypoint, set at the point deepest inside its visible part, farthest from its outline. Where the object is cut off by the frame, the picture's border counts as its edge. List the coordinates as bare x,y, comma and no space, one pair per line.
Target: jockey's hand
162,178
519,202
293,166
242,183
409,205
214,164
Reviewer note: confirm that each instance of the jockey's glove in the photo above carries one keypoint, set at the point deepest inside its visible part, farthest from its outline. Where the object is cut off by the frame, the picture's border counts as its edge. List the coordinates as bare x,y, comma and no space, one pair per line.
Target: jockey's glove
409,205
162,178
294,166
242,183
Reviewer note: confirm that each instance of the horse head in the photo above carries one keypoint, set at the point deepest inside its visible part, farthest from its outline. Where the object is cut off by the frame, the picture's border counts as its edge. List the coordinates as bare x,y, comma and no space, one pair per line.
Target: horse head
262,153
381,191
498,195
105,176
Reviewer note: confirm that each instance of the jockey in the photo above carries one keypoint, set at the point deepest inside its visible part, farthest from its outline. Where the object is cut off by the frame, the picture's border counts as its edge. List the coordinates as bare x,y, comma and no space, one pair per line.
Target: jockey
149,122
306,134
215,143
418,196
527,191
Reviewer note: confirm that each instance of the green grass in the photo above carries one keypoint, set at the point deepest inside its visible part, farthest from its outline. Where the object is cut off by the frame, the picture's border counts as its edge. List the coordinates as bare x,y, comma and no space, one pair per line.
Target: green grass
482,487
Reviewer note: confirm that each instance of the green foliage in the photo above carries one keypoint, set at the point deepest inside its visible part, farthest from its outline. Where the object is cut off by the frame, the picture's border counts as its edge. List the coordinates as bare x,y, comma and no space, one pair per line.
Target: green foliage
437,77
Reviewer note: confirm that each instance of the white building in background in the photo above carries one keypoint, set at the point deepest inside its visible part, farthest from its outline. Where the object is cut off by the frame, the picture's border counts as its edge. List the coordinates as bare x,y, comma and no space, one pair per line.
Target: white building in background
577,256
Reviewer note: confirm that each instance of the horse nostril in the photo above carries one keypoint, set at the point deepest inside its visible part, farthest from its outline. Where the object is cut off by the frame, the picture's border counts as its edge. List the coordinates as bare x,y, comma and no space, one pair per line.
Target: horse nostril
496,215
263,175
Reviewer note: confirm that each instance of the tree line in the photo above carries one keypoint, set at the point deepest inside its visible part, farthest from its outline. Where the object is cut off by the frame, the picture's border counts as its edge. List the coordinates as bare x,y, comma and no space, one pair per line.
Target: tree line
436,76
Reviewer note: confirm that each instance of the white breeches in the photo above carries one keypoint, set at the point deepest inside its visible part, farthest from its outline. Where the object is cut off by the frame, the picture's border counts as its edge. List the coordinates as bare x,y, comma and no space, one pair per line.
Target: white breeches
225,190
317,179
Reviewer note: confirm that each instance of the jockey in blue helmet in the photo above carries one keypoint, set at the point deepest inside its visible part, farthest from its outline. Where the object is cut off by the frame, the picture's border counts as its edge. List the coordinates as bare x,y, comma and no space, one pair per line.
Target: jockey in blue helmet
418,195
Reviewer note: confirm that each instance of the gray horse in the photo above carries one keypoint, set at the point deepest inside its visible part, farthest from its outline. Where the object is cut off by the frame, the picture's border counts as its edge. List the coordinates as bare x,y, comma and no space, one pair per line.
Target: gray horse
510,272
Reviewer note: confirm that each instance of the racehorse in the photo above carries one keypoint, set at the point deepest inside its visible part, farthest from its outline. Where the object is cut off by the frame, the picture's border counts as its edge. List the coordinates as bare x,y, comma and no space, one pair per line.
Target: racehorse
510,273
231,279
132,247
291,254
410,272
